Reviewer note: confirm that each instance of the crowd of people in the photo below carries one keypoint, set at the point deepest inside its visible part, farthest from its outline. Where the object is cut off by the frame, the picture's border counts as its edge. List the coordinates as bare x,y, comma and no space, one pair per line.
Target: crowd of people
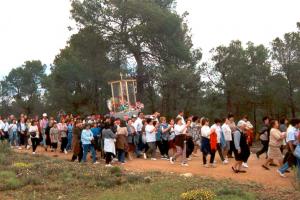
177,140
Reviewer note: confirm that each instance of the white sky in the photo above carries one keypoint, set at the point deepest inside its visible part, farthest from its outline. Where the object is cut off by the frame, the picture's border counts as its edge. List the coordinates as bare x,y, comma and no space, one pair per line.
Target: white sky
37,29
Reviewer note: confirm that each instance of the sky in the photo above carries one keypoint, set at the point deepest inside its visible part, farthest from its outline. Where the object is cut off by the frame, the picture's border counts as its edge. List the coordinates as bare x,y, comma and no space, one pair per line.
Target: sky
38,29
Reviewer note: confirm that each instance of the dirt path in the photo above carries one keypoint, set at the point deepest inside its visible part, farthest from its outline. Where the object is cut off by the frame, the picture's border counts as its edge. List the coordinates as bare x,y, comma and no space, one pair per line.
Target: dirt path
255,173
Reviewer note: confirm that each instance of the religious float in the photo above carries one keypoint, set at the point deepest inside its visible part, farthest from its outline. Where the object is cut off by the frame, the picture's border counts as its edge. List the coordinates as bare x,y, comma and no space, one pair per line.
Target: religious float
123,101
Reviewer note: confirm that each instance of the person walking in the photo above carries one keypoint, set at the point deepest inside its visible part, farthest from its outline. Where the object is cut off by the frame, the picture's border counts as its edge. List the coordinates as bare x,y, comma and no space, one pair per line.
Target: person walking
180,142
241,151
264,137
276,138
34,135
87,140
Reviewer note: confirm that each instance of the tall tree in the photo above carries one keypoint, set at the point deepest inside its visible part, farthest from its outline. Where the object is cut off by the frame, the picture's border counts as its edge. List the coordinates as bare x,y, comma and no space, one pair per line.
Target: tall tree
286,54
79,76
23,86
148,31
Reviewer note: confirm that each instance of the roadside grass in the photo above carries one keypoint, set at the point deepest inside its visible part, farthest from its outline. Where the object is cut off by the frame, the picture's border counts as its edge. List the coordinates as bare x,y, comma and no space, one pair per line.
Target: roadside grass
23,176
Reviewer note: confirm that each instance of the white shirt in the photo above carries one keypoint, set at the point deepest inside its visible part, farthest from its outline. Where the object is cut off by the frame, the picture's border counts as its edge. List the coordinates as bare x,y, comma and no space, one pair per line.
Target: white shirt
218,131
6,125
34,129
179,129
2,125
205,131
150,133
227,132
138,124
182,119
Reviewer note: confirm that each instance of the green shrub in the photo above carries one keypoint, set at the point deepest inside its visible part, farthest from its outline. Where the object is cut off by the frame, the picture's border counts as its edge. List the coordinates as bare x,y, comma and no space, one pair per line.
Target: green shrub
5,148
9,181
31,180
115,170
132,178
198,194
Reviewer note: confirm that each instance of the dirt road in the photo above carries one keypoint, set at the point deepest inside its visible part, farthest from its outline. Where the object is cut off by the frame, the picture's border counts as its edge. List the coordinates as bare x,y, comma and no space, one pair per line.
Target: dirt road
255,173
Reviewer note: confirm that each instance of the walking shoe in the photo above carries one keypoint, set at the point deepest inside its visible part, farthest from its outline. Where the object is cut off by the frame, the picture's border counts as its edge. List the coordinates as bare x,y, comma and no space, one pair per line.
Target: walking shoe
28,147
225,162
145,156
108,165
281,174
153,158
20,148
189,159
184,164
212,166
171,160
95,163
65,151
33,153
245,165
206,165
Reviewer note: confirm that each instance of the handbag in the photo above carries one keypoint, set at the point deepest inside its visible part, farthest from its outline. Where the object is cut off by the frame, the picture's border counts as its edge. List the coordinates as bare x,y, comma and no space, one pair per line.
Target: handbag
297,152
33,134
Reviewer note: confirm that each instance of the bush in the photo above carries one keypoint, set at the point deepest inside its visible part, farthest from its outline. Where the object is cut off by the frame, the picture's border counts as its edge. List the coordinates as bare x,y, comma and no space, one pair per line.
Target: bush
9,181
199,194
132,178
4,148
116,171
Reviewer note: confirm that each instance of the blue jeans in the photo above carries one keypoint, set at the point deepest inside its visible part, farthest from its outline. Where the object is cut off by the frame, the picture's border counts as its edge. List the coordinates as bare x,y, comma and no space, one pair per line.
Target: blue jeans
14,138
69,145
86,148
121,155
284,167
298,168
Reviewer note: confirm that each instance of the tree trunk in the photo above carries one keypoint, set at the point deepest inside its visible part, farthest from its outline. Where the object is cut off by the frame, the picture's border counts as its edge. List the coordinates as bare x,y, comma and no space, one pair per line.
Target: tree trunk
139,75
228,101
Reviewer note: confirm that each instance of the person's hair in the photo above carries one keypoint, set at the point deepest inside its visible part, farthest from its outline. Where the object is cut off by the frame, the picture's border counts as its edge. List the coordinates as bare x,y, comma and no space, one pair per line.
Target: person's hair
154,123
106,125
204,120
177,120
245,117
148,120
87,125
188,120
294,122
195,118
265,118
217,120
33,121
161,119
282,120
230,115
123,123
224,120
140,113
273,122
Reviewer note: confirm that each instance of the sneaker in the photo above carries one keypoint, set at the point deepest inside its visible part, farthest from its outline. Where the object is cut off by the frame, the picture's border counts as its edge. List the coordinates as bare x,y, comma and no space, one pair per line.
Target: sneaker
153,158
171,160
184,164
245,165
281,174
225,162
145,156
108,165
33,153
65,151
206,165
28,147
95,163
212,166
189,159
20,148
